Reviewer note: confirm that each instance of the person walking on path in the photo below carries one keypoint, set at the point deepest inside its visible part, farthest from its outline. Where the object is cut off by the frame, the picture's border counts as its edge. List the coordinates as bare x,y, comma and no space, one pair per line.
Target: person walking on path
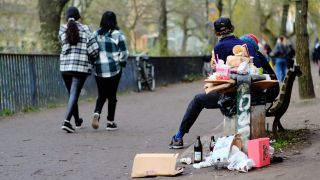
316,54
227,40
279,53
113,53
78,46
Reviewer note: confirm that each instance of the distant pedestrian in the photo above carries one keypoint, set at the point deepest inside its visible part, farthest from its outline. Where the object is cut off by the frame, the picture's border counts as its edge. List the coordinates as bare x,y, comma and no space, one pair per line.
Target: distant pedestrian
78,46
279,53
266,50
291,52
113,53
316,54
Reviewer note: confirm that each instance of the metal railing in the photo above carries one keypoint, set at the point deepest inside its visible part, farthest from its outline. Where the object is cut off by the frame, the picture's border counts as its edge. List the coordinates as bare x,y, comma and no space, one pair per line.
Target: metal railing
28,80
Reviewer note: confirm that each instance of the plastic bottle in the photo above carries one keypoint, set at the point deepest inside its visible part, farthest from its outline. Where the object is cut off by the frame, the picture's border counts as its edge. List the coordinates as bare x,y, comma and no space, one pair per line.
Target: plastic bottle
212,144
197,150
222,70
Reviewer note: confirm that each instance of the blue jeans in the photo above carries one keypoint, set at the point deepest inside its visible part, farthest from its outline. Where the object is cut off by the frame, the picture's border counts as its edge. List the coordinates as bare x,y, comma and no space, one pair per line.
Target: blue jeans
74,83
281,66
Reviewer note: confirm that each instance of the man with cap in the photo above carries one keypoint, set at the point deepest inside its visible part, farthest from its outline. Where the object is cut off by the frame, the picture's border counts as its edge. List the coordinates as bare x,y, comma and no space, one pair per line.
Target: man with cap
227,40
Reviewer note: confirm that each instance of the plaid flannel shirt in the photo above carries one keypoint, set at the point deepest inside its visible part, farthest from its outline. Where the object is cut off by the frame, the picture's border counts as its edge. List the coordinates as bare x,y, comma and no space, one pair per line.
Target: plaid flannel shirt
112,51
77,57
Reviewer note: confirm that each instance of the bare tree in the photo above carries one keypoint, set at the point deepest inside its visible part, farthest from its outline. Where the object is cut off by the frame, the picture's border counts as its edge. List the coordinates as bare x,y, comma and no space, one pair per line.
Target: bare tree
163,35
192,23
231,7
137,14
306,89
285,10
263,22
50,15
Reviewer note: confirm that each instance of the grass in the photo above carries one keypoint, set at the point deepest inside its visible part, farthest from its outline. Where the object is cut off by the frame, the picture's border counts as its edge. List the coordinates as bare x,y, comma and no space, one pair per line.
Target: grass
6,112
30,109
52,105
289,137
89,99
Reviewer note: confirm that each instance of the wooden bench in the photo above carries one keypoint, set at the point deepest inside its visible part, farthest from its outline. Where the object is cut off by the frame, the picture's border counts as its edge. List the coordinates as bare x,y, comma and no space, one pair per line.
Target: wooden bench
281,104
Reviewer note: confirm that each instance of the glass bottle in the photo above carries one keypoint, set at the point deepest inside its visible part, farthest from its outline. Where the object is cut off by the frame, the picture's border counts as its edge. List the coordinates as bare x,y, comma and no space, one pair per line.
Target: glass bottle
197,150
212,143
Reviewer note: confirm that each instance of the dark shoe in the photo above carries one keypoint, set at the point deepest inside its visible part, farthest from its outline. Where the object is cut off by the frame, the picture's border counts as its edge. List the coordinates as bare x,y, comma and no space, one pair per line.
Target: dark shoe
176,143
79,123
111,127
95,120
67,127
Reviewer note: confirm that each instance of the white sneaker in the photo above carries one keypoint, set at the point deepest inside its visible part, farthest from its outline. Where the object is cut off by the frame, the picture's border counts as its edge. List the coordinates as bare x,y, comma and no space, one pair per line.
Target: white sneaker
95,120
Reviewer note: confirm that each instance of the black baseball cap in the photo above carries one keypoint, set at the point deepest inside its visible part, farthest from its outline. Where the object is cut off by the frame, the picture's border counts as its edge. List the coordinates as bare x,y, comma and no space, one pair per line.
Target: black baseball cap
223,25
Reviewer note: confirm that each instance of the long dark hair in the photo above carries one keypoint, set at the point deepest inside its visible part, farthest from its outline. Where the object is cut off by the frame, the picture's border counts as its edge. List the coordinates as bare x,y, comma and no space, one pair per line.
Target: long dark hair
108,22
72,32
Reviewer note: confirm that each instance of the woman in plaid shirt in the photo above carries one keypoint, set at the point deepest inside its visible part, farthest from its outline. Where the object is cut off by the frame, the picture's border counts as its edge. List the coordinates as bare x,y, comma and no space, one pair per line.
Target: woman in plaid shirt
108,67
78,46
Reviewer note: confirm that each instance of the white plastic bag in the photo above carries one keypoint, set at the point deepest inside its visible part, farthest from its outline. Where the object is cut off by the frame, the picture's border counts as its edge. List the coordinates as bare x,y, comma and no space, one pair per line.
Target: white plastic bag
243,68
239,161
220,154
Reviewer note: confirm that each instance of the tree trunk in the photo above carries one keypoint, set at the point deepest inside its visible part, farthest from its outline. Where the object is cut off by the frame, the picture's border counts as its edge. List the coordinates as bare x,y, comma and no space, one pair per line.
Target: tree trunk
163,37
285,10
132,27
82,5
231,7
219,5
271,38
185,35
50,15
306,89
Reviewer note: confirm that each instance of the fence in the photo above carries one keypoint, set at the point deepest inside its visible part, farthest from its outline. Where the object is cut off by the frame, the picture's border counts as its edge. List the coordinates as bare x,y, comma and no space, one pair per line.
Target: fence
35,80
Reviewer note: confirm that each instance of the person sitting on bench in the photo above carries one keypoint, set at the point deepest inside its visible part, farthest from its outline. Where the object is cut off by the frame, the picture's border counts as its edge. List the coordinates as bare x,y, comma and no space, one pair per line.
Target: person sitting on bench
227,40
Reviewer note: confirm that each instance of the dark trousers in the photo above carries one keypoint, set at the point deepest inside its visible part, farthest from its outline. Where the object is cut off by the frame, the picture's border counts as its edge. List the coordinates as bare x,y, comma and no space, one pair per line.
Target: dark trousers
107,89
200,101
74,83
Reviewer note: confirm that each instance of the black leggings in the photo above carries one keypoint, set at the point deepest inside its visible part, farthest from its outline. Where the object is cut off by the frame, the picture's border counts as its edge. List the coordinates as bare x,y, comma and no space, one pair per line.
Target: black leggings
107,89
74,84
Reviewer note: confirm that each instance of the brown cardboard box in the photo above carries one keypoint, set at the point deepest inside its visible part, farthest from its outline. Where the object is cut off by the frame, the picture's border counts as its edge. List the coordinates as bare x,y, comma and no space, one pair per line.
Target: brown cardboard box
155,165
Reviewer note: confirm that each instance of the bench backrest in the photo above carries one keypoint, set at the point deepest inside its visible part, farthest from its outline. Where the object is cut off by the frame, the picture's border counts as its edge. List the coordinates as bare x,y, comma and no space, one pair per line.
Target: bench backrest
283,101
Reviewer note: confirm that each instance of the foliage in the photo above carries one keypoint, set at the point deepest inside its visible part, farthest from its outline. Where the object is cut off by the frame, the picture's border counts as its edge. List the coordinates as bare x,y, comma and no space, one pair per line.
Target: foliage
90,99
191,77
139,20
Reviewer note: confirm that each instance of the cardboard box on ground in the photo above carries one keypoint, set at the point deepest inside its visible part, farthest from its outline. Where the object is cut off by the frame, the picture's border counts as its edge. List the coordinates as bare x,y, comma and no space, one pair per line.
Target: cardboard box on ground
155,164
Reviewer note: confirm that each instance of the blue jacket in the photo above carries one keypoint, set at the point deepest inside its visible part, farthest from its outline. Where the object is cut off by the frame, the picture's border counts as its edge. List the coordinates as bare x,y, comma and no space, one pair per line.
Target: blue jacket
224,49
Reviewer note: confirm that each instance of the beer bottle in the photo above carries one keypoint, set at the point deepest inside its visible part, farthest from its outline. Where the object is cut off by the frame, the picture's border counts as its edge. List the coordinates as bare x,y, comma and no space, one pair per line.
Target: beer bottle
197,150
212,143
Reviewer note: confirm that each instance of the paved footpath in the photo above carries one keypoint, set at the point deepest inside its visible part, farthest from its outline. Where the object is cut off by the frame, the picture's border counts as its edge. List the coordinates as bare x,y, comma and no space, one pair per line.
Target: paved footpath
32,146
